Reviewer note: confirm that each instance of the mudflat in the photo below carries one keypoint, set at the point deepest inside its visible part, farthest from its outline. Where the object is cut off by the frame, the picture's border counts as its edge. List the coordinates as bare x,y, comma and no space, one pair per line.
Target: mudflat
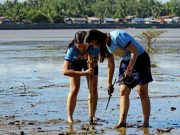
33,90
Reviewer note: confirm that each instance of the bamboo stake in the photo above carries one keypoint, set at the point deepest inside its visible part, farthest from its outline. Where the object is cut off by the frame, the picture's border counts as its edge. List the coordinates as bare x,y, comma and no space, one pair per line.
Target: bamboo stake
91,81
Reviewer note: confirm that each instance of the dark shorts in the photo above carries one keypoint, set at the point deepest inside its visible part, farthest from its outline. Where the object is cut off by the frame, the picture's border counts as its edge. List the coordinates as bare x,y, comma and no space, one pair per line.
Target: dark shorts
80,65
141,71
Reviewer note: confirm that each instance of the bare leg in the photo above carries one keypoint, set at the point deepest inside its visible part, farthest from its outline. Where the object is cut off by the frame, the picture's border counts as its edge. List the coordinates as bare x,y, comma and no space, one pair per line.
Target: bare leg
124,103
72,97
146,107
95,96
93,100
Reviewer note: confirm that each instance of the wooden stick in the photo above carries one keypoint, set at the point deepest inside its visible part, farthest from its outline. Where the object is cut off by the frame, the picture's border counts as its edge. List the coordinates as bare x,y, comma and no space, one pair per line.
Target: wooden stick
91,82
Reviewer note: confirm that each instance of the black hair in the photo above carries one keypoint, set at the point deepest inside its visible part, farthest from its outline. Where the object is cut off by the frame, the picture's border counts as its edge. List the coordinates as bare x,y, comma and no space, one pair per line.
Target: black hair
95,35
100,38
78,38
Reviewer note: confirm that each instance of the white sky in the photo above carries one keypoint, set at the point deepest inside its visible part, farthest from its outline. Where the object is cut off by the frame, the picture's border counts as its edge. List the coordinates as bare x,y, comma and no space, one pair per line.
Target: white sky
163,1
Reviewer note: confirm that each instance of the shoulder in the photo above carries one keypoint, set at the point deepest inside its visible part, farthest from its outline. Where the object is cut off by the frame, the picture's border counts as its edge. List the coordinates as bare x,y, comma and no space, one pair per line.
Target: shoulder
116,32
116,35
71,49
120,35
71,52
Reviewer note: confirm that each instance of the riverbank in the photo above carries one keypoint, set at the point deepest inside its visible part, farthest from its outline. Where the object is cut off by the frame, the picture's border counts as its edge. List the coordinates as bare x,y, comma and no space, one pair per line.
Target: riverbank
83,26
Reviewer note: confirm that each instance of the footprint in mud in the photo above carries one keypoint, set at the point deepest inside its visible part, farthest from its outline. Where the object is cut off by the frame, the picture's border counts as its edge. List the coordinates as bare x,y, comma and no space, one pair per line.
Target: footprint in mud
46,86
53,85
91,129
29,93
165,130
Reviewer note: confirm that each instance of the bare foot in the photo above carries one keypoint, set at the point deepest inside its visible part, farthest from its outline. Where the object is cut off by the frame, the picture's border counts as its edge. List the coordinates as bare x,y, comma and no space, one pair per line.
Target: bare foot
145,125
119,125
70,121
91,122
95,119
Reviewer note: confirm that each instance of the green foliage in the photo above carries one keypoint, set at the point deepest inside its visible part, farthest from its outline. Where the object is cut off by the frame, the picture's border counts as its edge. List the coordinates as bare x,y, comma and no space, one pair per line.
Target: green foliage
175,7
73,8
83,8
57,19
149,37
38,17
104,8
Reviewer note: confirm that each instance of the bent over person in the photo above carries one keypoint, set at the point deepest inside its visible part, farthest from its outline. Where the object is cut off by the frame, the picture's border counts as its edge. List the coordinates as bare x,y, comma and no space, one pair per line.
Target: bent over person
134,70
75,66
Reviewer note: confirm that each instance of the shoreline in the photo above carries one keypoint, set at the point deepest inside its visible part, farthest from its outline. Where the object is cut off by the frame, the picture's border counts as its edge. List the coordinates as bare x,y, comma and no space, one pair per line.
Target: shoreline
83,26
170,36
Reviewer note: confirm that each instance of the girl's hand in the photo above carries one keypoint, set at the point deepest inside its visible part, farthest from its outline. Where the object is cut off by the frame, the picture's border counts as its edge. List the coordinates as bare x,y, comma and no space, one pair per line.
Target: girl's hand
89,72
110,89
128,71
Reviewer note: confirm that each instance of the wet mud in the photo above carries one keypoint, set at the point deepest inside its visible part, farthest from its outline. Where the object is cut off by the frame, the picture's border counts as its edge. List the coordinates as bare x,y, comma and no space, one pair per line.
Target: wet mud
33,93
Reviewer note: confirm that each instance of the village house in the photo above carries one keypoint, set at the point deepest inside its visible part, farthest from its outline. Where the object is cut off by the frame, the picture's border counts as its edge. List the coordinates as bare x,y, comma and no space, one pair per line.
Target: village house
5,20
93,20
75,20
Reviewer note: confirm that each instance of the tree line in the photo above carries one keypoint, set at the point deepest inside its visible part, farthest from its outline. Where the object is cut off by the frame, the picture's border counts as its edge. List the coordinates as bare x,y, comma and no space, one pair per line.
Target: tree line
37,11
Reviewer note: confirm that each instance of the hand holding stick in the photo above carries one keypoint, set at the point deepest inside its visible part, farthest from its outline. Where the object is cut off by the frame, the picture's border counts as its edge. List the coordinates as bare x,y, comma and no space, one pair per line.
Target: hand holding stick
110,91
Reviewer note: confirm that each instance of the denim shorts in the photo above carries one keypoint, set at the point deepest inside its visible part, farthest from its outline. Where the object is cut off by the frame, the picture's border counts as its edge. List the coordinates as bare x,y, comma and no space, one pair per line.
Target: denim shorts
141,73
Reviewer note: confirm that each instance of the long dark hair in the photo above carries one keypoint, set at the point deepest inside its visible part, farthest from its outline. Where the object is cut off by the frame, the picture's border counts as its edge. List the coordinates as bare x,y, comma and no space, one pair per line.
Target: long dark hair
100,37
78,38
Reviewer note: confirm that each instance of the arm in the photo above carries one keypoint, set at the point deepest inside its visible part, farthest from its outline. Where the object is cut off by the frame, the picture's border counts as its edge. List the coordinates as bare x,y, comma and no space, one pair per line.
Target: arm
111,67
72,73
132,61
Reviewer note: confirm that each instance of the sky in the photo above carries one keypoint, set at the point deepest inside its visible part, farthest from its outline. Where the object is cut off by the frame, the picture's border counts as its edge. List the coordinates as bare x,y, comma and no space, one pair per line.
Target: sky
163,1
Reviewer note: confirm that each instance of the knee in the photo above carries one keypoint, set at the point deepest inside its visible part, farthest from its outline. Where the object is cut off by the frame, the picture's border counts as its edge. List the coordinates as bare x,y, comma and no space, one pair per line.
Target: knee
94,97
143,94
90,98
74,92
124,92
